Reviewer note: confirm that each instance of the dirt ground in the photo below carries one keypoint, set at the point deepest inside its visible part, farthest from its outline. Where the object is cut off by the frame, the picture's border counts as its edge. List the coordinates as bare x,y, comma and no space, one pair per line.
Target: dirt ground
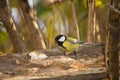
55,67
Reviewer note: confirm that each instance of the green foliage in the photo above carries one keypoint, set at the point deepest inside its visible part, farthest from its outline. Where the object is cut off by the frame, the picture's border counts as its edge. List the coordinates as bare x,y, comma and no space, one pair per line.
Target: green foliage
3,36
42,9
13,3
5,43
99,3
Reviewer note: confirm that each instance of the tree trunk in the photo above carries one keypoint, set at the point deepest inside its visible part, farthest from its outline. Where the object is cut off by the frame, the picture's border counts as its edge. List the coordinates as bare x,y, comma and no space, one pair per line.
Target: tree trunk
91,20
75,19
35,32
113,41
10,26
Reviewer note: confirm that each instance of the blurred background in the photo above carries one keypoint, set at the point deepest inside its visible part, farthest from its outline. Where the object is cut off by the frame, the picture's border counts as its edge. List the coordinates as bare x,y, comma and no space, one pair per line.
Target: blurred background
56,17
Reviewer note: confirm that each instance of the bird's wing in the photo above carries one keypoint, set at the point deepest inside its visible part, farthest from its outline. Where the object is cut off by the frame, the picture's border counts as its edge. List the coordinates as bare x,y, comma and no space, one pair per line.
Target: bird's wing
74,41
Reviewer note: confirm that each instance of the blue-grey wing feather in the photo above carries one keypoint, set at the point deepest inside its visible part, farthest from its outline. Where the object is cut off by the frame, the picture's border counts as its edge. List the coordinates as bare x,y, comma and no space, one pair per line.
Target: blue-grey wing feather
75,41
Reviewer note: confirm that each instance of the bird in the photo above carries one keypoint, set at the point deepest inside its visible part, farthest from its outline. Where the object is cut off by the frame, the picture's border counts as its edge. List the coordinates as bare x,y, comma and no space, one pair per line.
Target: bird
67,44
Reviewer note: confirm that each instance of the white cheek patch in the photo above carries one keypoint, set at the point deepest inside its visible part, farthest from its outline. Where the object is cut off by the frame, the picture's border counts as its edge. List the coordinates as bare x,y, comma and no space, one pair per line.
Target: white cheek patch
62,39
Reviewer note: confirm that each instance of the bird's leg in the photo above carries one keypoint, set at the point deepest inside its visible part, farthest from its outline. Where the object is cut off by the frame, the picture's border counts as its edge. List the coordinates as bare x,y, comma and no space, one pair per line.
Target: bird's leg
74,53
64,53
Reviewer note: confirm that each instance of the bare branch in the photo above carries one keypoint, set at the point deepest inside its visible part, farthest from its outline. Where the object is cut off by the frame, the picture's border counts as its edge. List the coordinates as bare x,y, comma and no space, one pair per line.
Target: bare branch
112,7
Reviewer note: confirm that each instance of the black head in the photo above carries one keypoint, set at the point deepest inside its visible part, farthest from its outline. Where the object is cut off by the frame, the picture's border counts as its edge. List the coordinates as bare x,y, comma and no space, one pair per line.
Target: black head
59,39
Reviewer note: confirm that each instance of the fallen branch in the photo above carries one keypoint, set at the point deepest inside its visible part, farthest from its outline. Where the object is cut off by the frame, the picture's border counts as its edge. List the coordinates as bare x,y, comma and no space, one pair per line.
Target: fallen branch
56,66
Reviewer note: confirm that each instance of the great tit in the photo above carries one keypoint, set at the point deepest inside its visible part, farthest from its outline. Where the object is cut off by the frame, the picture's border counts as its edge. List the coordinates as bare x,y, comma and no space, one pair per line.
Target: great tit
67,44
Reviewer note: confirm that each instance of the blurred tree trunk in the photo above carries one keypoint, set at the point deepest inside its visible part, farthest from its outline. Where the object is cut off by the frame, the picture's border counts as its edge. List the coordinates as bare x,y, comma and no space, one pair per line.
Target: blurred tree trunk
113,41
35,32
97,31
91,20
100,25
75,19
10,26
53,22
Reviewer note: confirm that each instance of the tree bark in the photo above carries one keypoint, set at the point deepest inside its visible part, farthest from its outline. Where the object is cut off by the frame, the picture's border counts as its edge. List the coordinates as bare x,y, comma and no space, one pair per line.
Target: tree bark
91,20
35,32
10,26
113,41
